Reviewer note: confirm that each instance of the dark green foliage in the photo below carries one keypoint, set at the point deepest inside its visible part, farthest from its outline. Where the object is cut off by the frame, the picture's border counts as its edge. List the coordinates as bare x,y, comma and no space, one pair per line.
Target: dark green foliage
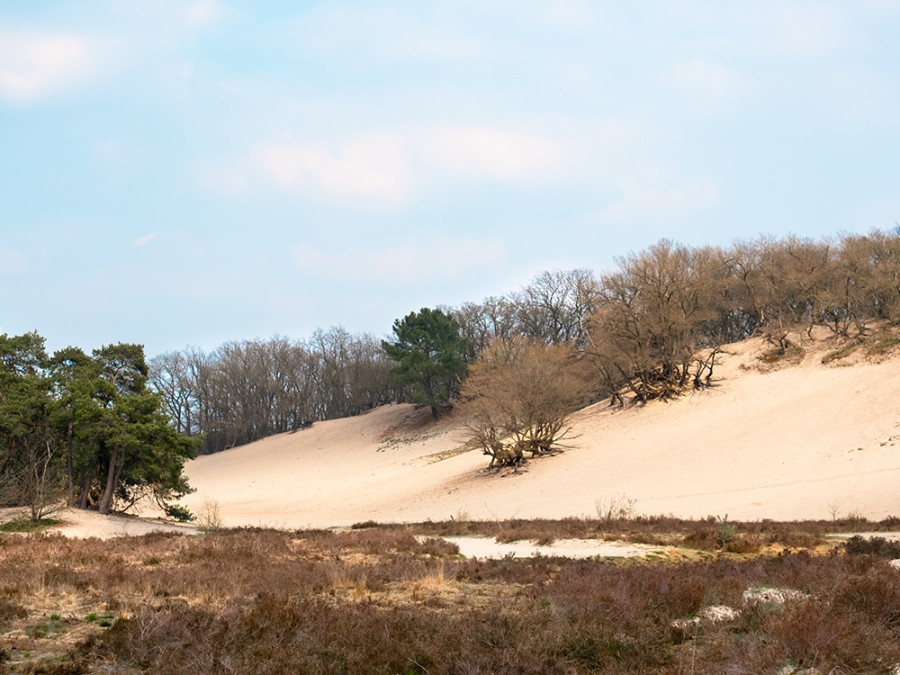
27,525
83,430
29,475
430,356
179,513
877,546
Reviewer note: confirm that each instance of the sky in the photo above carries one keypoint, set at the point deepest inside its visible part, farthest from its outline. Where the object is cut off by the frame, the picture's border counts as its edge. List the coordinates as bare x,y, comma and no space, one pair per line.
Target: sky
183,173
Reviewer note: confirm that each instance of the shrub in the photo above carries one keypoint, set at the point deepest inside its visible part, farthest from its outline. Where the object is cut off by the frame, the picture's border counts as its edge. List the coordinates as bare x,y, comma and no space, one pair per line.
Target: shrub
841,352
518,396
26,524
210,518
179,513
882,343
10,611
255,600
784,350
725,533
877,546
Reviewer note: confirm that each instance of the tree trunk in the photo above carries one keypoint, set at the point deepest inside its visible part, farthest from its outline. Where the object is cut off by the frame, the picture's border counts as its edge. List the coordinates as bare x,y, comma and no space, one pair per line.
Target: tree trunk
429,394
111,477
85,489
70,478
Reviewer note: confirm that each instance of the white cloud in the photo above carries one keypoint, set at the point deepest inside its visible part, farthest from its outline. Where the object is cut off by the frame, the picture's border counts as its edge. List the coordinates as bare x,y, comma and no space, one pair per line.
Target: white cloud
35,65
386,31
707,79
658,195
805,29
38,62
372,168
205,13
783,28
443,259
143,241
488,152
388,171
12,262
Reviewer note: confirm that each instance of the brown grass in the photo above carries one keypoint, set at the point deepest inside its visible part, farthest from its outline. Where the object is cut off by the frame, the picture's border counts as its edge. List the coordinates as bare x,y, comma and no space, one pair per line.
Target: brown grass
882,342
379,600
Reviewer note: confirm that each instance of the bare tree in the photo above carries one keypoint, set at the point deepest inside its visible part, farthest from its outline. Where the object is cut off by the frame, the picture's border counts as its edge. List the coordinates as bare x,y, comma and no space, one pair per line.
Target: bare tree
172,376
482,322
641,326
246,390
870,276
34,478
652,318
518,397
554,305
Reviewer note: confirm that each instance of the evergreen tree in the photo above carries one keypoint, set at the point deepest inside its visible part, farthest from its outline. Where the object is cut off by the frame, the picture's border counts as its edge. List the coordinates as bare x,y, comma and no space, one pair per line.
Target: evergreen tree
86,428
136,449
74,373
28,445
430,356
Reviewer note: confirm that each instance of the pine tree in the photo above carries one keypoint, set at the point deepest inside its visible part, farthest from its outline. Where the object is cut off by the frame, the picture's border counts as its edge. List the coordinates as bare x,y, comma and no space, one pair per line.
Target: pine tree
430,356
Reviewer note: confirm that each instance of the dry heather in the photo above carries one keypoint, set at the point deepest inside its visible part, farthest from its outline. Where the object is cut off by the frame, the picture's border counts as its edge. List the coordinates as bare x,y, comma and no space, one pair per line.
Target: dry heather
378,600
707,534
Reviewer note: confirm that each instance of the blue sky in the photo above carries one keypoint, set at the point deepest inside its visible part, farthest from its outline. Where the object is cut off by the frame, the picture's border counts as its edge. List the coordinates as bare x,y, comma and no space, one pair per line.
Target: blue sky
180,172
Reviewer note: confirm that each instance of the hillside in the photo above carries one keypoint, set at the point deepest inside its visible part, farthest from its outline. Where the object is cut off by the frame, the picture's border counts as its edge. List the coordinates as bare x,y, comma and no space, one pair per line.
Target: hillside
782,441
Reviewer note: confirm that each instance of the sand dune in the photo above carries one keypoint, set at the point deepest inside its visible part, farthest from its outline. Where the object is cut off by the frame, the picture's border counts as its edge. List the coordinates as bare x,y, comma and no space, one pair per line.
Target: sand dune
801,441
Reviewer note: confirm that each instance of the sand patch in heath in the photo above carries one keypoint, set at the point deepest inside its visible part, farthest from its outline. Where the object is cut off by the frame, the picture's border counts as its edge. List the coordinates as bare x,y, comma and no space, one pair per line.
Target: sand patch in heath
488,547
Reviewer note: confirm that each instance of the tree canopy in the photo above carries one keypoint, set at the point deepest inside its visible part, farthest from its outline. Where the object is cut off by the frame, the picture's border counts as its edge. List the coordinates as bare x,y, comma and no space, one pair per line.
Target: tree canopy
430,356
518,397
84,430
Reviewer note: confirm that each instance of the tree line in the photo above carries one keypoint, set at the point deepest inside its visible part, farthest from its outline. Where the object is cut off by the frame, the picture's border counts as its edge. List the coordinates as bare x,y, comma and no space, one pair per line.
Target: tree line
654,325
661,307
246,390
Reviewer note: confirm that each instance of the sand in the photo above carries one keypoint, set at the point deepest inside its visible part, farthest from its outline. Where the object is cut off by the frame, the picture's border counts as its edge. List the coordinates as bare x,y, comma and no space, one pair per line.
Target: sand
488,547
799,441
83,524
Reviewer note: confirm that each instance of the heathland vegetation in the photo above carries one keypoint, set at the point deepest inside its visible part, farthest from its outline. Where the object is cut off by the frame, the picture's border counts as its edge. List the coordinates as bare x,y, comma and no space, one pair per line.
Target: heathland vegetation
381,600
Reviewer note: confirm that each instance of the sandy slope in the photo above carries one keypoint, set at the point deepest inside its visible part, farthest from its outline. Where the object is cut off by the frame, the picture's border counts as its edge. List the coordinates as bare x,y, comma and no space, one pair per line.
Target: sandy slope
797,442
